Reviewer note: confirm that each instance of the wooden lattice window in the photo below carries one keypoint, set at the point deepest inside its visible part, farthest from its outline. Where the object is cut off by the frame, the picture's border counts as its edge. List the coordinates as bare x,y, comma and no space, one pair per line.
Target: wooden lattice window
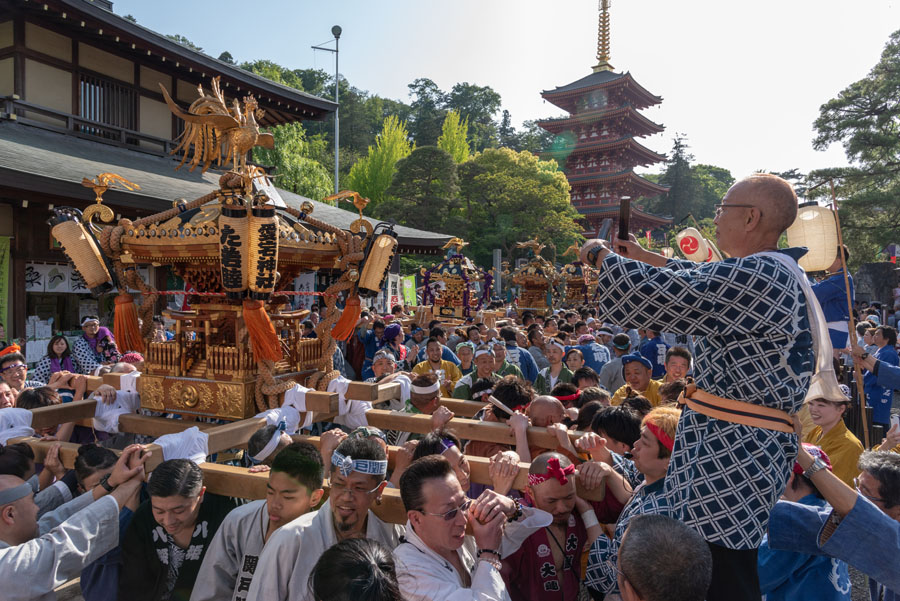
108,102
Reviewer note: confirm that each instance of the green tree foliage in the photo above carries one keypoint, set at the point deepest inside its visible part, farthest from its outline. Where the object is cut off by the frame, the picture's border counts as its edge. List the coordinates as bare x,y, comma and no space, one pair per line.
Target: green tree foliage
183,41
424,189
426,111
865,119
372,175
478,105
680,199
454,135
509,197
306,80
295,169
226,57
693,189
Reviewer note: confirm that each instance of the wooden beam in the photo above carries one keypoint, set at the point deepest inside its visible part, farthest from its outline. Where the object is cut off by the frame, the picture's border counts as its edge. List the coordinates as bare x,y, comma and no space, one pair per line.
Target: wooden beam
68,451
463,408
322,402
233,435
44,417
466,429
231,481
93,383
114,380
156,426
479,470
374,393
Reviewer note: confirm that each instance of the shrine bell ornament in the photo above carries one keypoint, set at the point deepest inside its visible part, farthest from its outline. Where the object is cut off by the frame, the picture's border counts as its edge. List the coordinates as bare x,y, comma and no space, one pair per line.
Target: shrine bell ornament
816,229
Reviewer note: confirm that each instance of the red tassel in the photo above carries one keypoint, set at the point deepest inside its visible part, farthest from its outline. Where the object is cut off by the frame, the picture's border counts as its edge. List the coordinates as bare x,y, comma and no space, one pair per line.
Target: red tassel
345,326
125,324
263,338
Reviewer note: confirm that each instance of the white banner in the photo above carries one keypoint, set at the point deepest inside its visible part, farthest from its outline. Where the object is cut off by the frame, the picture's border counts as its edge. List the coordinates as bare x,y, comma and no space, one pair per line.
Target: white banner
305,282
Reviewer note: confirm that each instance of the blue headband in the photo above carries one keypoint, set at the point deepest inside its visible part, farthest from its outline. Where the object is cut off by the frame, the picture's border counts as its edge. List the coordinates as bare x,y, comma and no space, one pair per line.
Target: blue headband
363,466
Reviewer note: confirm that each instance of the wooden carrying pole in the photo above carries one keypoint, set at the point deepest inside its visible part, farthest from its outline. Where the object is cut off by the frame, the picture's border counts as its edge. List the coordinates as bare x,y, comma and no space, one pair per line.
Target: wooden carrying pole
857,369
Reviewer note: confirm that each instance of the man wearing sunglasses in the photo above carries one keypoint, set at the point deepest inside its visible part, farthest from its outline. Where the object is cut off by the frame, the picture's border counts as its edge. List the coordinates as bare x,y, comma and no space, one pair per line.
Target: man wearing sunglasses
358,467
436,558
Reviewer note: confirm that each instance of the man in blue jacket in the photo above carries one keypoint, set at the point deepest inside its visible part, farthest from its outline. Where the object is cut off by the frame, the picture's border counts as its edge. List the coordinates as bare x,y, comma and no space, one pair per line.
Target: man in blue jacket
518,356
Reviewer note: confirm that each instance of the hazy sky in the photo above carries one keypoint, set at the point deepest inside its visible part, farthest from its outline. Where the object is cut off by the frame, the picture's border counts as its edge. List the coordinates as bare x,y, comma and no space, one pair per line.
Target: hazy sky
743,80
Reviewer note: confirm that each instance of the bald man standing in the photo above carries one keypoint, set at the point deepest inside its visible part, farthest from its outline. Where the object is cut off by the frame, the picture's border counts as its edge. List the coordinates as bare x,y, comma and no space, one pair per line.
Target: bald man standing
754,351
37,556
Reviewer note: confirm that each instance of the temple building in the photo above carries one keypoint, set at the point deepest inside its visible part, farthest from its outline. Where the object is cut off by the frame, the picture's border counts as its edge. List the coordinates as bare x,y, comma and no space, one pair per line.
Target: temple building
596,144
79,97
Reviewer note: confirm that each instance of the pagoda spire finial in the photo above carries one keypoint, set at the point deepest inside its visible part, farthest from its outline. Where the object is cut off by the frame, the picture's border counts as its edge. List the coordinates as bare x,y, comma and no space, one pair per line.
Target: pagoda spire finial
603,39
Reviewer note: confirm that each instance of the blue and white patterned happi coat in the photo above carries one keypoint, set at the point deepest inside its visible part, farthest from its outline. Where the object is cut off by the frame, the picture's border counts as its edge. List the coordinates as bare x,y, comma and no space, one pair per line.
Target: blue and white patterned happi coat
754,344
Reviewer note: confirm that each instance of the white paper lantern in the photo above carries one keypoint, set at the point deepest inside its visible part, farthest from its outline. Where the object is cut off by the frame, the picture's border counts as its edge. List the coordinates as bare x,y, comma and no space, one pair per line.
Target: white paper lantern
693,245
668,252
815,229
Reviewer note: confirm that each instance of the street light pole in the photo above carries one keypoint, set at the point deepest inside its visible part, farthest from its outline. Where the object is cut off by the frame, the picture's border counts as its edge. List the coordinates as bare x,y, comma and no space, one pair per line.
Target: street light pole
336,32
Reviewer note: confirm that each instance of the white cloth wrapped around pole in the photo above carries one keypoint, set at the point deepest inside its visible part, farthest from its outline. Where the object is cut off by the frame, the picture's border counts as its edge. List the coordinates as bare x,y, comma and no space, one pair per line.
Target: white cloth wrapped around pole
295,398
106,417
190,444
351,412
14,423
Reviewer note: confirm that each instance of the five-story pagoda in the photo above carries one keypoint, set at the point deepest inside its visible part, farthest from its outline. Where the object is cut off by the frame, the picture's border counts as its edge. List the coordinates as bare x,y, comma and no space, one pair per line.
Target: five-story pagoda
596,146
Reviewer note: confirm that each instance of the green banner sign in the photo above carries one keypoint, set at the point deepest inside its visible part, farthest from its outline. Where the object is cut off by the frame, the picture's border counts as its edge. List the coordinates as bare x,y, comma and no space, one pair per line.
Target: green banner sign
408,283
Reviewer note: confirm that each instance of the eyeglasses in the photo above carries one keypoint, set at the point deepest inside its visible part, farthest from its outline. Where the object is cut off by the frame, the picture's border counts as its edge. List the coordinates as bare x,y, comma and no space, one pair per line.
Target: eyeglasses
869,497
625,577
16,366
451,515
721,207
338,490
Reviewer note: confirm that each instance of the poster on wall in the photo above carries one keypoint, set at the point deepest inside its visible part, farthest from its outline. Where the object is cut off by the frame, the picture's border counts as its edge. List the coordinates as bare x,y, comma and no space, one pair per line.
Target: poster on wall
57,280
35,277
305,282
77,283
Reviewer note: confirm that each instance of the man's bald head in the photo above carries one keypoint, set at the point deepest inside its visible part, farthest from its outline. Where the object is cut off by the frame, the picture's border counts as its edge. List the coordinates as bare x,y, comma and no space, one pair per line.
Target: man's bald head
18,517
9,481
774,197
539,463
754,213
546,410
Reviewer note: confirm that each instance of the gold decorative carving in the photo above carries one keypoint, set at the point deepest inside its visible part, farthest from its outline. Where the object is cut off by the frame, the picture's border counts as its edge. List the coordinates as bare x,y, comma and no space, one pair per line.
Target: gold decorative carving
231,400
152,394
196,397
190,397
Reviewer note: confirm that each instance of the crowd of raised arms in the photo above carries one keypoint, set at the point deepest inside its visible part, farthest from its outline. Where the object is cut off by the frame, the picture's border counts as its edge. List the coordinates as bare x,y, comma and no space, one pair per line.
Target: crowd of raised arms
665,442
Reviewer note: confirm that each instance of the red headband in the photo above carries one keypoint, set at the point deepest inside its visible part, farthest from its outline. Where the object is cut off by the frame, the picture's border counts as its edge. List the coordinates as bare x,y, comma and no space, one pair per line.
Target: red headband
664,439
571,397
553,471
12,348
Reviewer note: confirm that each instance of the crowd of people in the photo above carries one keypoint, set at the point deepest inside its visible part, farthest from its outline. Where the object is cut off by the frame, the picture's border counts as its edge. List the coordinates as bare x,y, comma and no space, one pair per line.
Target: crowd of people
697,449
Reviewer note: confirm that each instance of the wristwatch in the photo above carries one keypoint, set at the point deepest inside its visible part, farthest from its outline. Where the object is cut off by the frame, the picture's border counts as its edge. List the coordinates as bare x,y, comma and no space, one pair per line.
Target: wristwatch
592,255
864,356
817,465
104,482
